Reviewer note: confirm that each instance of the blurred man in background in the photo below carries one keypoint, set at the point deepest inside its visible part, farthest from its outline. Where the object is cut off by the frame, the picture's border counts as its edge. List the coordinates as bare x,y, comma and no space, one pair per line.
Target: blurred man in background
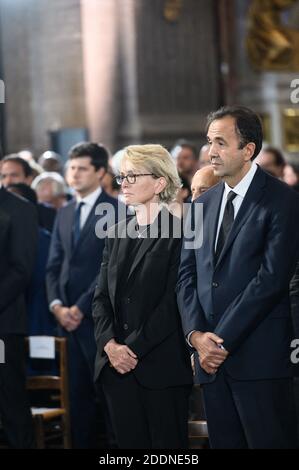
50,161
15,170
50,189
186,156
272,161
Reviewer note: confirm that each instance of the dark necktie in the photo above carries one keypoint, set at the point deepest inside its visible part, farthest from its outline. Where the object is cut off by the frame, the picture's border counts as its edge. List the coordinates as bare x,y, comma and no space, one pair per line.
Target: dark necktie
226,225
76,225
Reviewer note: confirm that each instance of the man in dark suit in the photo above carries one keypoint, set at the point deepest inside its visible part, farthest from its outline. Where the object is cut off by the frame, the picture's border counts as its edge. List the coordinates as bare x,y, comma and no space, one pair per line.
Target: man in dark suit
18,242
233,291
74,262
15,170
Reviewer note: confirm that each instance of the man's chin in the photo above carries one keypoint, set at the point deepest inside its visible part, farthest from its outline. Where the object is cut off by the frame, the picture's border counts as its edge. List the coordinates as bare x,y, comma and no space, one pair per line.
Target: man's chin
217,172
77,188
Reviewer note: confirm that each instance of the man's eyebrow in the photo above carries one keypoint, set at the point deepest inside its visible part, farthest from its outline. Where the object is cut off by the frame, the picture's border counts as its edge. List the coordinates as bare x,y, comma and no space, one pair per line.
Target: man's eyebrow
218,139
80,167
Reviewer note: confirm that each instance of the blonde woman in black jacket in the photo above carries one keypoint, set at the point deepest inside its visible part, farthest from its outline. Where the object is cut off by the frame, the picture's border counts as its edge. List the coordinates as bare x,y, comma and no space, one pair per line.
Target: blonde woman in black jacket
142,362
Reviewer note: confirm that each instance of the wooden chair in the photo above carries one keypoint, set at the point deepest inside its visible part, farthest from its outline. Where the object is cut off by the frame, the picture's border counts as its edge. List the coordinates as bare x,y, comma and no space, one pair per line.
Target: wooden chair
198,429
197,424
50,422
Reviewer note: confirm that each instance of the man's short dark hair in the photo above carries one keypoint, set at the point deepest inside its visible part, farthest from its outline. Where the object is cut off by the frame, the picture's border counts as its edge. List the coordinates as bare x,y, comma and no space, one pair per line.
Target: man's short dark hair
14,158
248,125
277,154
97,152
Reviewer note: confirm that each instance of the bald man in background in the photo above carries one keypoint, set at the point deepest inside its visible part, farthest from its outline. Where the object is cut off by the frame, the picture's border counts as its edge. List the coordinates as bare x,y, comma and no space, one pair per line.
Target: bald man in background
203,180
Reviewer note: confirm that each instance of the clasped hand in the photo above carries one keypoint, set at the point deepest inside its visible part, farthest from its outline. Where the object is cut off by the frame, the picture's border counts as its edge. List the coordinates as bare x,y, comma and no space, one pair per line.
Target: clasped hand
68,317
120,356
211,356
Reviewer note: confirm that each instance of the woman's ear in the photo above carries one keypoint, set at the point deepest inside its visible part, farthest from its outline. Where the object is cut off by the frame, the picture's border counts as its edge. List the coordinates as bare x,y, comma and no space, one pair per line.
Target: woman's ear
161,185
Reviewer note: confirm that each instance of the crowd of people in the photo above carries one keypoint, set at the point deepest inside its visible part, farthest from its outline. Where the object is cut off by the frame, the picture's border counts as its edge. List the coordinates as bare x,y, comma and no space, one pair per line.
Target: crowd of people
79,259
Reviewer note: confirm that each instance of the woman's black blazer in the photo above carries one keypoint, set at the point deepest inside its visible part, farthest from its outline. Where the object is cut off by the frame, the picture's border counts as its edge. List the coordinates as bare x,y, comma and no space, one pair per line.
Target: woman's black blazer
147,317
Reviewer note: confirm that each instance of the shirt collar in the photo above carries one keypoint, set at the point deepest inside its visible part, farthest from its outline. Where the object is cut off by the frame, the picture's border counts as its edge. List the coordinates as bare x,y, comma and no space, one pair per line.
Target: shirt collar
90,200
242,187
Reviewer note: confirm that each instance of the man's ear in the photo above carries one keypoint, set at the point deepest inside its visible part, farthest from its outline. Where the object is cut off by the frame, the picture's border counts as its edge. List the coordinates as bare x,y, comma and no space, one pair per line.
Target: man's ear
250,149
29,180
101,172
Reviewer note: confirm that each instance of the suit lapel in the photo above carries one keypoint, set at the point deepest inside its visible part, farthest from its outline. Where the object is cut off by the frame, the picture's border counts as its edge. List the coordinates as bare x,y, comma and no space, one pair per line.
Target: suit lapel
213,216
123,247
252,197
123,241
150,241
4,211
90,222
68,221
146,245
4,221
2,194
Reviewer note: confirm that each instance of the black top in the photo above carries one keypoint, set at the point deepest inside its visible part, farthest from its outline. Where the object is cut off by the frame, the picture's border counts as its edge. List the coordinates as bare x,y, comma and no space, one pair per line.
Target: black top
134,247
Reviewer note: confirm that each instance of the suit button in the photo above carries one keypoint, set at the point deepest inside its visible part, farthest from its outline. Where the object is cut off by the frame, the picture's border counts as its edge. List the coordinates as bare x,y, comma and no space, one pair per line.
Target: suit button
128,300
125,326
215,284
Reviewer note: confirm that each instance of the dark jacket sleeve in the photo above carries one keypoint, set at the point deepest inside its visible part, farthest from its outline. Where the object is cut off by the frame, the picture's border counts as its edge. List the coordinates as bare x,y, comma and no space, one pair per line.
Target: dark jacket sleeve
191,311
294,295
102,310
85,301
23,232
54,263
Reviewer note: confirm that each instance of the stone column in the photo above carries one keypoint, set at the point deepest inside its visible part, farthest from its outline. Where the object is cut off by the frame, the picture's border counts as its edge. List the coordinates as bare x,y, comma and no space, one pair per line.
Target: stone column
42,61
101,66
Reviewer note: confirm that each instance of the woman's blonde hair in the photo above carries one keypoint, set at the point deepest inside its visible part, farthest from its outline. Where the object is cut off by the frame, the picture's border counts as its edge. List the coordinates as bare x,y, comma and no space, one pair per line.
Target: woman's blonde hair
155,159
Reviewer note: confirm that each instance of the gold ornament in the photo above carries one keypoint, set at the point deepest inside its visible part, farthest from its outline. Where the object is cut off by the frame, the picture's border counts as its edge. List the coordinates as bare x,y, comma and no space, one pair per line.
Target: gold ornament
271,44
